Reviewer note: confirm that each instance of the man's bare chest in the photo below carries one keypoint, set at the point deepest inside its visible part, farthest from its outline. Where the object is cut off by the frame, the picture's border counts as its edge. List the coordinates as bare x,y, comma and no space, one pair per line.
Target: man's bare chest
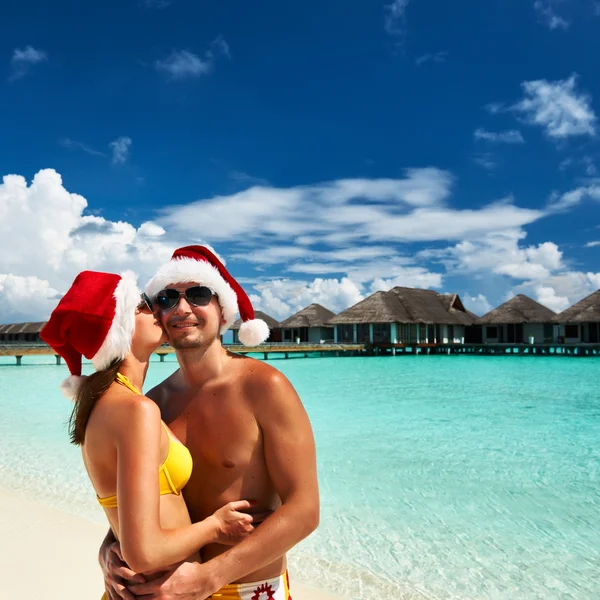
220,432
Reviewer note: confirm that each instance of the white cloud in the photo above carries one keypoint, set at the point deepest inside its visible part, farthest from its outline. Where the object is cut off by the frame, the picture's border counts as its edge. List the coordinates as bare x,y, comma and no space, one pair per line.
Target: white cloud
557,107
548,16
283,254
547,254
414,277
512,136
547,296
437,57
24,59
494,108
121,148
485,160
572,198
592,244
395,18
346,212
281,298
52,237
501,253
75,145
477,304
219,46
51,240
247,179
587,162
151,230
525,270
183,64
571,286
22,298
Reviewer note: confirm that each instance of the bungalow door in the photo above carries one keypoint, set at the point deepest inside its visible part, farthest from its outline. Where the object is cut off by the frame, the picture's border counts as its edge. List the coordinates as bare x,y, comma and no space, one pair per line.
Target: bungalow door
519,334
510,333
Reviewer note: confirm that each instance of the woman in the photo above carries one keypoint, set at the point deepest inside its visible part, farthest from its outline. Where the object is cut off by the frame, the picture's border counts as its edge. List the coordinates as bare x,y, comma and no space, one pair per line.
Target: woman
136,466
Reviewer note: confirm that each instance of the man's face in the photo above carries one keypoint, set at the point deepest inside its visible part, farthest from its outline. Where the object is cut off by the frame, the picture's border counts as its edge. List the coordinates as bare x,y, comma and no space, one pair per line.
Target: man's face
190,326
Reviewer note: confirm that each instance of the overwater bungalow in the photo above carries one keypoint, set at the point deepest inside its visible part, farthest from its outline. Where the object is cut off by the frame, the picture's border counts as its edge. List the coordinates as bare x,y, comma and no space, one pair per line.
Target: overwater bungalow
406,316
275,335
311,324
581,322
21,332
520,320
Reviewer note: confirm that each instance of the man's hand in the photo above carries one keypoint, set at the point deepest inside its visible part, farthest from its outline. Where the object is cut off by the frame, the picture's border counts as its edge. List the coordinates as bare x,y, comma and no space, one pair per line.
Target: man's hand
117,575
190,581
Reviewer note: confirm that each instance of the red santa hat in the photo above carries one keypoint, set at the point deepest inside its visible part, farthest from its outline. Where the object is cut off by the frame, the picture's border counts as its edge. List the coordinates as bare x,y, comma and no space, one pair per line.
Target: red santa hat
95,319
197,264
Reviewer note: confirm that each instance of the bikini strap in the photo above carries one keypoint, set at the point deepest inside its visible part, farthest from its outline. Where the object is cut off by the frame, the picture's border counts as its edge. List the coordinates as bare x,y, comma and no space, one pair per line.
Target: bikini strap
123,380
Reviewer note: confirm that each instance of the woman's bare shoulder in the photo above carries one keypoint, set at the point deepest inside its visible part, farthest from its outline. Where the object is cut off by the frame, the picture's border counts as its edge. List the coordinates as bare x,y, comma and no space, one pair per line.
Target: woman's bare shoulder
121,409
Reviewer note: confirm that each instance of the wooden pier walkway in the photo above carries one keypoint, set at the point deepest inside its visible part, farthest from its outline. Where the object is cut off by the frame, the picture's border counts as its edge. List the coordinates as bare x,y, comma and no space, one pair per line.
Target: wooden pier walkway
19,350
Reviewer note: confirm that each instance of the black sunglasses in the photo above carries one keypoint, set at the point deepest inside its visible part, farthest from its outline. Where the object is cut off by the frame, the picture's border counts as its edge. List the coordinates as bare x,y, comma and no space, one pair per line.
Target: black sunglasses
197,295
145,304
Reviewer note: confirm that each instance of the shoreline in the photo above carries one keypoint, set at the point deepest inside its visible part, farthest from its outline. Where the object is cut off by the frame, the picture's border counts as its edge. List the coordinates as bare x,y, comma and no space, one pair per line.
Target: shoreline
53,553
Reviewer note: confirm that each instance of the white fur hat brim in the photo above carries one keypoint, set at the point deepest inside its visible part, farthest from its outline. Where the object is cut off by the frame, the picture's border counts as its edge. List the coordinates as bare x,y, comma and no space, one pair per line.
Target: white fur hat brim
188,270
117,343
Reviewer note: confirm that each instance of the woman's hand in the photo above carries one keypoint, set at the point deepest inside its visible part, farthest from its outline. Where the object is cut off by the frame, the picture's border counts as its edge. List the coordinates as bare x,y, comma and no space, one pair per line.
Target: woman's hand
233,526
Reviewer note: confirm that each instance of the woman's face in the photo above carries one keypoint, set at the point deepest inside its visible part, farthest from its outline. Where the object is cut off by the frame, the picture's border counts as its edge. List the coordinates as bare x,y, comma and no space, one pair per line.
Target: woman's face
148,334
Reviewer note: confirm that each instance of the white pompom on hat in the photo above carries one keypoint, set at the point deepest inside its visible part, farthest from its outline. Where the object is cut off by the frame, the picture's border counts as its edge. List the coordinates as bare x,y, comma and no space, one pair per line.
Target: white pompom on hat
197,264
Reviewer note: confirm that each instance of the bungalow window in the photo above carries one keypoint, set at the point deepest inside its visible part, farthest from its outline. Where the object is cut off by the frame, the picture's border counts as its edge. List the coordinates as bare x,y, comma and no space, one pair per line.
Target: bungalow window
571,331
548,332
345,334
414,333
422,333
362,333
403,333
450,333
492,332
381,332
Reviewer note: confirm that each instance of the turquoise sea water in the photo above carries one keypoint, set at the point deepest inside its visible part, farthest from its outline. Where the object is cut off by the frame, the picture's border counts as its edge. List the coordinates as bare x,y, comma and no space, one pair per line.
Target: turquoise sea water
450,477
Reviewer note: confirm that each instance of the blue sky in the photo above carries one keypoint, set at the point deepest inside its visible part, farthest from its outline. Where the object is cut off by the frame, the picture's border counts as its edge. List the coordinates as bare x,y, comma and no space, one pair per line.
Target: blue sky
325,149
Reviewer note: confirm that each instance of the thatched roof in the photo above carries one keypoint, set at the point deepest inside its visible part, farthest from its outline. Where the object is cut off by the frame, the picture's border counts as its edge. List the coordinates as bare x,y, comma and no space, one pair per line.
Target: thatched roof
520,309
585,311
259,314
381,307
22,327
407,305
314,315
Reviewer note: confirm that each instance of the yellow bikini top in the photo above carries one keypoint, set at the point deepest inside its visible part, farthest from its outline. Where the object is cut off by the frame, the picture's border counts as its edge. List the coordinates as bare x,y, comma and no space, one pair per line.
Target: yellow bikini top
176,469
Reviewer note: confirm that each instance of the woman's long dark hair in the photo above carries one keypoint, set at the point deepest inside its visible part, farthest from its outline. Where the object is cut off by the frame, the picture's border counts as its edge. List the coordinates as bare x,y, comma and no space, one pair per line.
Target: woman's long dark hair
90,391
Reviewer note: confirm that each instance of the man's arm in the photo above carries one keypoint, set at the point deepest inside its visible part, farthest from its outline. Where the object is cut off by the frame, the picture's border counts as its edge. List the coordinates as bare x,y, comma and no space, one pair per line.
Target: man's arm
290,456
117,573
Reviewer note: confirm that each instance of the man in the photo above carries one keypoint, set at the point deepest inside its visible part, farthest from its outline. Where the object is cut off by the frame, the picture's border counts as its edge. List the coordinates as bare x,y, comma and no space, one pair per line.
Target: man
247,431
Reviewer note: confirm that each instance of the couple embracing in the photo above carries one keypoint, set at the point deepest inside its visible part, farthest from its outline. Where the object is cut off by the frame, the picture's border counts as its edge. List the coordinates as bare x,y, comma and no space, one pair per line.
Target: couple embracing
208,479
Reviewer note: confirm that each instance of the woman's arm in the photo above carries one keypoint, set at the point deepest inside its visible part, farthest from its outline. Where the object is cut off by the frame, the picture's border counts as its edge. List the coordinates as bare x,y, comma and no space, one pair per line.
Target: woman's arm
145,545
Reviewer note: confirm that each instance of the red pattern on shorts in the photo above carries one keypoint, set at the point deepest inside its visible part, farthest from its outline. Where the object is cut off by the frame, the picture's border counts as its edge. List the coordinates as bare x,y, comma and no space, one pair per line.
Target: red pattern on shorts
266,589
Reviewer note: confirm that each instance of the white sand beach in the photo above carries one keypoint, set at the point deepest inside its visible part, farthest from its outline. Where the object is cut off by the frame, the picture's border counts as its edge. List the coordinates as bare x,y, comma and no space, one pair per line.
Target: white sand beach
52,555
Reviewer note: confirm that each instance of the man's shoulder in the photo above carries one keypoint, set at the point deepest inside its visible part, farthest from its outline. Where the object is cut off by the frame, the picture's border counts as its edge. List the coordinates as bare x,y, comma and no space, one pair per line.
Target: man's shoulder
262,382
160,393
255,372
